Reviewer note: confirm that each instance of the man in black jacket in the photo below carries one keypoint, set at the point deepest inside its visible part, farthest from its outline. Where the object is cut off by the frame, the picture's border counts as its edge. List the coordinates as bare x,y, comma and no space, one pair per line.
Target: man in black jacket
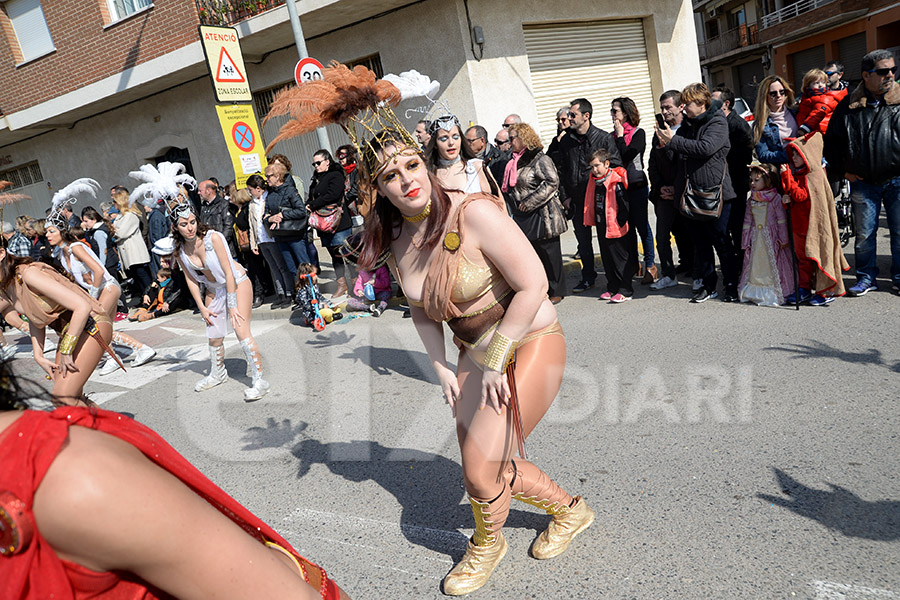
863,144
214,213
739,158
661,171
574,166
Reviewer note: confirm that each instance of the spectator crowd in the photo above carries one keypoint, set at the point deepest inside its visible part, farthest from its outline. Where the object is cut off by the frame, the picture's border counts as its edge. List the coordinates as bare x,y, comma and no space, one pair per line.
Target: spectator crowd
758,202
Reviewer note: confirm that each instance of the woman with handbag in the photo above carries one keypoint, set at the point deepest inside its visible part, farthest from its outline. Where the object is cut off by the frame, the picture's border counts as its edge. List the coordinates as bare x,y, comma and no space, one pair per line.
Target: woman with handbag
703,185
286,217
328,212
531,186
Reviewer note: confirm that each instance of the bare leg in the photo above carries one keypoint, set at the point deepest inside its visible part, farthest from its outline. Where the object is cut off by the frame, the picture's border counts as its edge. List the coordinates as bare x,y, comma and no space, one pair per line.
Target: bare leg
70,389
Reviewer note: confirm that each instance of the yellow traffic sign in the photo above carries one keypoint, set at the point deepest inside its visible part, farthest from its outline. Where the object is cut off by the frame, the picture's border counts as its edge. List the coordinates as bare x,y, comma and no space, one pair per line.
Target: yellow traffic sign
225,63
245,145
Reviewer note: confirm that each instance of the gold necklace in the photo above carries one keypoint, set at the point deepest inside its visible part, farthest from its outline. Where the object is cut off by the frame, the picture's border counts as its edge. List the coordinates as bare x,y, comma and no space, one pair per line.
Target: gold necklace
421,216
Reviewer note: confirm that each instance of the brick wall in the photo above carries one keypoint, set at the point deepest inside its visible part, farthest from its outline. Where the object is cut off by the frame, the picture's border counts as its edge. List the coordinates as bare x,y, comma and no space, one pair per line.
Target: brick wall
85,51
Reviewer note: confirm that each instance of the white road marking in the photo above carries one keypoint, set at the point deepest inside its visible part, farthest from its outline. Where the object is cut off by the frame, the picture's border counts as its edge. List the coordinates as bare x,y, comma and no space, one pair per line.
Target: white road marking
371,535
179,331
828,590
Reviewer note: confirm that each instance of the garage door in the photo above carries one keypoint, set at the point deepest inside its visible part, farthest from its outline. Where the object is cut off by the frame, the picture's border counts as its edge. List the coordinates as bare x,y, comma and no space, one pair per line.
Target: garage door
597,60
803,61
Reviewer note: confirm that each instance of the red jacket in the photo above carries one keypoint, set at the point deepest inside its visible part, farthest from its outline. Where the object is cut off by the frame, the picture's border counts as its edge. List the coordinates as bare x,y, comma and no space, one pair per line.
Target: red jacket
815,111
614,176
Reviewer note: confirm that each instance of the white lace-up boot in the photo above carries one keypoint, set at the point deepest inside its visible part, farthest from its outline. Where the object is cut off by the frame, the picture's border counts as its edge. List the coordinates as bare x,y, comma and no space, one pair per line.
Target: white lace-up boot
259,385
217,372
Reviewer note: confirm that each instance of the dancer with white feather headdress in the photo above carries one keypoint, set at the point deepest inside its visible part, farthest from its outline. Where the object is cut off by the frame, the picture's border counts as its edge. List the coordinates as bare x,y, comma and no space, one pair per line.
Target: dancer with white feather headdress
204,257
88,270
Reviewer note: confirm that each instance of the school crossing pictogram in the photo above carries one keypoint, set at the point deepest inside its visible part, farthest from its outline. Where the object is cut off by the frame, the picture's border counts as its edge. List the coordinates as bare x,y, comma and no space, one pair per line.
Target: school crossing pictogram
228,71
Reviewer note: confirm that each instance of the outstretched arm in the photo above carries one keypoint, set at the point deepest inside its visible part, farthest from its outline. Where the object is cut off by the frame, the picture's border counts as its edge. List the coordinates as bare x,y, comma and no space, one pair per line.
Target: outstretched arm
432,335
93,266
152,525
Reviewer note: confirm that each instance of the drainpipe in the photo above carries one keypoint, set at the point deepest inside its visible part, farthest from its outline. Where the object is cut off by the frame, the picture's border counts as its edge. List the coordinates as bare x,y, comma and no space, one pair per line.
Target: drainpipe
321,133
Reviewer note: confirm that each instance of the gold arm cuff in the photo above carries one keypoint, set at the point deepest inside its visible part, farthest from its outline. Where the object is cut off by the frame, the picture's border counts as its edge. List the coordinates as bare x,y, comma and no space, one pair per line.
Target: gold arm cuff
500,352
67,344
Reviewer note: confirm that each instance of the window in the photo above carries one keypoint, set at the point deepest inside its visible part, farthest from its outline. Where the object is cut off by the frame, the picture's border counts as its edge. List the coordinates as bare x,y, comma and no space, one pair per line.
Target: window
31,29
119,9
371,62
21,176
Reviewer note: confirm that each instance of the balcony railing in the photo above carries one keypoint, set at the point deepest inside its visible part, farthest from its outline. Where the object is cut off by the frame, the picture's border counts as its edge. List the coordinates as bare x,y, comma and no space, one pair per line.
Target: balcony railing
791,11
739,37
229,12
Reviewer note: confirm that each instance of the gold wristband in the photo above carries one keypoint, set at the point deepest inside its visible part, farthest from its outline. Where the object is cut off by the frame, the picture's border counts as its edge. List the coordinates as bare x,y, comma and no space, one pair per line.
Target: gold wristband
500,352
67,344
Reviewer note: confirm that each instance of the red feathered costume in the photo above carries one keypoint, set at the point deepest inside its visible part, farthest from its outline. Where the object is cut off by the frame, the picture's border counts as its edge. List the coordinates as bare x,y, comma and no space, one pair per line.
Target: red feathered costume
28,448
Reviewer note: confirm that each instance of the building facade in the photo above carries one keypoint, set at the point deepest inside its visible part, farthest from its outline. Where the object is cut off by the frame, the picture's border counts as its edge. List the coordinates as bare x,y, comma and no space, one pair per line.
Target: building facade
95,88
743,41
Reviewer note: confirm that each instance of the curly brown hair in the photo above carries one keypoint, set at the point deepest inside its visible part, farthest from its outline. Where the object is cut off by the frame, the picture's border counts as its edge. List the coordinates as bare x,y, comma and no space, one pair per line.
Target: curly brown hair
528,135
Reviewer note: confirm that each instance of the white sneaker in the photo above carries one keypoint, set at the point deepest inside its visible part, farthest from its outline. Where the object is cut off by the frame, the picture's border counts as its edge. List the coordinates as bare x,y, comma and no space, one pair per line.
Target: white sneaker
259,389
108,367
7,351
211,381
143,356
49,345
663,283
698,283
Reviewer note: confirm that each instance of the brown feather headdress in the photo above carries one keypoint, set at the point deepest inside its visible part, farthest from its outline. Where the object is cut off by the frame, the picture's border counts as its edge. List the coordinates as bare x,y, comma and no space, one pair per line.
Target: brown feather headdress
7,198
354,99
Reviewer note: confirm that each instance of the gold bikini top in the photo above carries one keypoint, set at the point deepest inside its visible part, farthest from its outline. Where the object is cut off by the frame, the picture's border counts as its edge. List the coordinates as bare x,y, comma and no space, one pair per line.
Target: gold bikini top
473,281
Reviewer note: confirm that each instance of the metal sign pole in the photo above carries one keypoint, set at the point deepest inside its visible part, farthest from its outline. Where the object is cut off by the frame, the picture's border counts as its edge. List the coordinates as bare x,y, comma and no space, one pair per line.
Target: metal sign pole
321,133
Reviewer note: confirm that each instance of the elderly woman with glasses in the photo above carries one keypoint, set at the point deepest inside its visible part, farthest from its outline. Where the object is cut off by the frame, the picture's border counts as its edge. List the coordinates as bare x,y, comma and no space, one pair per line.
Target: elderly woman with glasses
775,124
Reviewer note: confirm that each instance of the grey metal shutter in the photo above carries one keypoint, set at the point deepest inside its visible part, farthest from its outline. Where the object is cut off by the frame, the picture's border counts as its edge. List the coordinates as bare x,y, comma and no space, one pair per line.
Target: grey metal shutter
811,58
597,60
850,52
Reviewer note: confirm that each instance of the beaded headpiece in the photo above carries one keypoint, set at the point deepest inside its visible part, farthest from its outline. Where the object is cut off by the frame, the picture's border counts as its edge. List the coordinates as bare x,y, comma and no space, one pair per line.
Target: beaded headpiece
66,197
164,183
360,103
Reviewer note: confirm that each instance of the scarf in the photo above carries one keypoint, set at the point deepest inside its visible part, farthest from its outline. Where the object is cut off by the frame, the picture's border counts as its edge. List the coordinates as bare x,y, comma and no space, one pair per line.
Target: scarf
349,168
628,132
510,174
786,123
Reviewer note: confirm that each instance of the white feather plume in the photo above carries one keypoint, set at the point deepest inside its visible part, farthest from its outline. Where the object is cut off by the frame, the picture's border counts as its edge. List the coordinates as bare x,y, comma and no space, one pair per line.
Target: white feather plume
413,84
85,185
159,183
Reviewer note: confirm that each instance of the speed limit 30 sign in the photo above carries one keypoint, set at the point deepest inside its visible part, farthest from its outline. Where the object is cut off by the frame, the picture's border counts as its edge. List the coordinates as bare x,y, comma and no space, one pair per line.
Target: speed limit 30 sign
308,69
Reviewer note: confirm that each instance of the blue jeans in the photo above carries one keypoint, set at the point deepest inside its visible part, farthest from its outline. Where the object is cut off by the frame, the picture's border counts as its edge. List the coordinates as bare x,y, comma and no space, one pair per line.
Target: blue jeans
294,253
867,200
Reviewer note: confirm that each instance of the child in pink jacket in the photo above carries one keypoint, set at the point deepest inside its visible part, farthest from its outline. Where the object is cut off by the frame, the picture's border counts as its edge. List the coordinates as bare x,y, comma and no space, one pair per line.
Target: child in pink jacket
371,291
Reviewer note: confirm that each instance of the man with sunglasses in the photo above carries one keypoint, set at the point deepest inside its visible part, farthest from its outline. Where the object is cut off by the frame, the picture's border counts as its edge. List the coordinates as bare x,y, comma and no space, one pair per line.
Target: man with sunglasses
835,73
863,143
573,161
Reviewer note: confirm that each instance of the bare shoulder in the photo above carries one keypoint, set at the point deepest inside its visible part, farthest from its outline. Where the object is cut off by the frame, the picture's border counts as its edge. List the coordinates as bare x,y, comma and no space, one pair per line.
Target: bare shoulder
483,214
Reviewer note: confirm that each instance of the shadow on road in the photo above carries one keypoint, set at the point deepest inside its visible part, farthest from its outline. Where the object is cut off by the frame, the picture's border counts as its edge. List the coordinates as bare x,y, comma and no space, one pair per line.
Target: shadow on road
817,349
427,486
838,509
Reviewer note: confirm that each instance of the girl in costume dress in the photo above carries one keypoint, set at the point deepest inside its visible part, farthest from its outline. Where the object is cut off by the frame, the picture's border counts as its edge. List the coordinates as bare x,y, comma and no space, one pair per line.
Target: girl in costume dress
768,275
452,161
88,271
48,299
164,530
204,258
463,261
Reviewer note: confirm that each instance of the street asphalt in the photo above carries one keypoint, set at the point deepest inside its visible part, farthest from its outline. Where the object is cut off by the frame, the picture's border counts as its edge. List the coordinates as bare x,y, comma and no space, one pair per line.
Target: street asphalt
729,451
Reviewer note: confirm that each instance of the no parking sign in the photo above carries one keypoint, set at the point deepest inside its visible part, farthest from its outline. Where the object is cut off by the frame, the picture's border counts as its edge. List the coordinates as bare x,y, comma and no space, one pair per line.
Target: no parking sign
245,146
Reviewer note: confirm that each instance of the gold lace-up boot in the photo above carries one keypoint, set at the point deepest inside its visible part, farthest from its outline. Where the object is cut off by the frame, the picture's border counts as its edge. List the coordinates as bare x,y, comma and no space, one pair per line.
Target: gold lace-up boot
566,524
485,551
